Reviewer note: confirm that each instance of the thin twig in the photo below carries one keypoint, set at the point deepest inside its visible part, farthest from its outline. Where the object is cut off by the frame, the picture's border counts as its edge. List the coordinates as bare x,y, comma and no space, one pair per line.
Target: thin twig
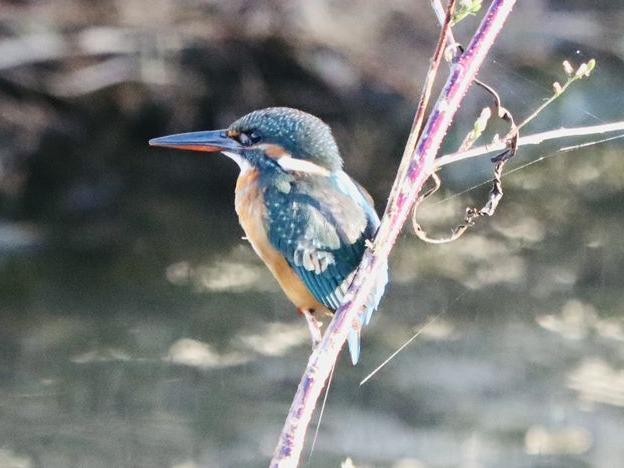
583,71
531,163
445,35
440,13
534,139
400,348
320,363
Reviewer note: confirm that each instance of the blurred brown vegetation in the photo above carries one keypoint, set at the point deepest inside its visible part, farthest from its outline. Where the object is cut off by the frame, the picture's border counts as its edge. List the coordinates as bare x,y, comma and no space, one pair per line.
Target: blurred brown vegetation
84,84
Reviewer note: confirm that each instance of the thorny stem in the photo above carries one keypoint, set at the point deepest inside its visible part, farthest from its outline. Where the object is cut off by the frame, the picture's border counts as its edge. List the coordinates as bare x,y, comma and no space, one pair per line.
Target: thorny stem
320,363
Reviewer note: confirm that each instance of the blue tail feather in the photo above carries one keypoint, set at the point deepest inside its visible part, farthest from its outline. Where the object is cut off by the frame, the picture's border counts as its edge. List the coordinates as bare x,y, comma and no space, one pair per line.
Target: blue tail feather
353,338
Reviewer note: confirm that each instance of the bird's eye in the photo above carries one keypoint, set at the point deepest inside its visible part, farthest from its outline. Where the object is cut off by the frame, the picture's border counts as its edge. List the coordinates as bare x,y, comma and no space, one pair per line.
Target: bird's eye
248,139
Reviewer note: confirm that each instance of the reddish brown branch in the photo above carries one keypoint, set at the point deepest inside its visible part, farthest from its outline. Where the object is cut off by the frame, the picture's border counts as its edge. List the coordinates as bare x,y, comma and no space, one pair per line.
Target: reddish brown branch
445,35
421,165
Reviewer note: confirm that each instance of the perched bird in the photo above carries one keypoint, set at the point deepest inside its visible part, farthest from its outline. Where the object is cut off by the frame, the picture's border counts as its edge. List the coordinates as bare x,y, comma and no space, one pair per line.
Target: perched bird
303,215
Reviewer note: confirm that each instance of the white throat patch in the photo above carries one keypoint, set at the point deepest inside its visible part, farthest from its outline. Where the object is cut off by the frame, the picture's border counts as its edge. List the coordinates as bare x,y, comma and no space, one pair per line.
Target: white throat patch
243,164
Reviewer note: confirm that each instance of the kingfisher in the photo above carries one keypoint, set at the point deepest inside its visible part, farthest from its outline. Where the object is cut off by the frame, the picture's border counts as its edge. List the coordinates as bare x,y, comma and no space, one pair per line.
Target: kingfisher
302,214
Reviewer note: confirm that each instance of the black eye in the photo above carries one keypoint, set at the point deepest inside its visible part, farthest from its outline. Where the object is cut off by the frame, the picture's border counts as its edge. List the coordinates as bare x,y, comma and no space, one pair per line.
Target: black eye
247,139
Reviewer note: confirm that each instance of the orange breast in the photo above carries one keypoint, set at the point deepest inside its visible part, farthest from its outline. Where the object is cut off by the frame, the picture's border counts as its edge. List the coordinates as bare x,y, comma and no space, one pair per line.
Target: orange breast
249,204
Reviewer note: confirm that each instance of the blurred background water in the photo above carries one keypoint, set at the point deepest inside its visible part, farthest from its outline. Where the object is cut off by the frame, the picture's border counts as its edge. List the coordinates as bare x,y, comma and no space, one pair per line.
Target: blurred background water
137,329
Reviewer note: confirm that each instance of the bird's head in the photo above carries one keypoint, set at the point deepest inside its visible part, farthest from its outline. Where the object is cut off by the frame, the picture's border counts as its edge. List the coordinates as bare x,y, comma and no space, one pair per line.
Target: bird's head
295,140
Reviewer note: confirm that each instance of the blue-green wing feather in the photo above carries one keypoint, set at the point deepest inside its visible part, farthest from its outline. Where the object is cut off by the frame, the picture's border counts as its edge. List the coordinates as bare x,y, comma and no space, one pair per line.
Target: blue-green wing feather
320,225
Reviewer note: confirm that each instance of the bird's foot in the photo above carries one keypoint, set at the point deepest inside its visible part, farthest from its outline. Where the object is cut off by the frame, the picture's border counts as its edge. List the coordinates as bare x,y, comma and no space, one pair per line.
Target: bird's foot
314,326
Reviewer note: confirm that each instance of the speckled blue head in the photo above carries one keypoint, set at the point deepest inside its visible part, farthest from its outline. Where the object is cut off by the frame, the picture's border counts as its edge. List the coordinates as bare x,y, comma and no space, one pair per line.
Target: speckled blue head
300,134
274,132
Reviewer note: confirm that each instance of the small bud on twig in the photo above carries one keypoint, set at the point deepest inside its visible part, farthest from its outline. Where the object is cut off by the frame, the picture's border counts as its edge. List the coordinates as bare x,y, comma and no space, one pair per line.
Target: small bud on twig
581,71
557,88
465,8
585,69
481,123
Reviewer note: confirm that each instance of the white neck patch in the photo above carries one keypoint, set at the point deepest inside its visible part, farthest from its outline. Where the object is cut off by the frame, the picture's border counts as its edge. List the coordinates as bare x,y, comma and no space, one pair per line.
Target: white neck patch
288,163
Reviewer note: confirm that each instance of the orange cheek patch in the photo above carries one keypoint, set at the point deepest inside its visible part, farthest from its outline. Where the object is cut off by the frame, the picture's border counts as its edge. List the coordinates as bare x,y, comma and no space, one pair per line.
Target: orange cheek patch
274,151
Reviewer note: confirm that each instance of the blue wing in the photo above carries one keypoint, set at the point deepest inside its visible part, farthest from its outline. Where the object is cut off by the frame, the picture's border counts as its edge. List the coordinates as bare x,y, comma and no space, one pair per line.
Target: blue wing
321,224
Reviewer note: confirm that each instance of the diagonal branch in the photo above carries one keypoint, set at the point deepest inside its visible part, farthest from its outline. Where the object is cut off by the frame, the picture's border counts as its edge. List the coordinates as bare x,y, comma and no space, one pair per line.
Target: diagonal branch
419,168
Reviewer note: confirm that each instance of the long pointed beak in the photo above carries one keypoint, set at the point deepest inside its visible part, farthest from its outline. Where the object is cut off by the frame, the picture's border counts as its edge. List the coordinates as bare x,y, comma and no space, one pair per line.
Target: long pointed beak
211,141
